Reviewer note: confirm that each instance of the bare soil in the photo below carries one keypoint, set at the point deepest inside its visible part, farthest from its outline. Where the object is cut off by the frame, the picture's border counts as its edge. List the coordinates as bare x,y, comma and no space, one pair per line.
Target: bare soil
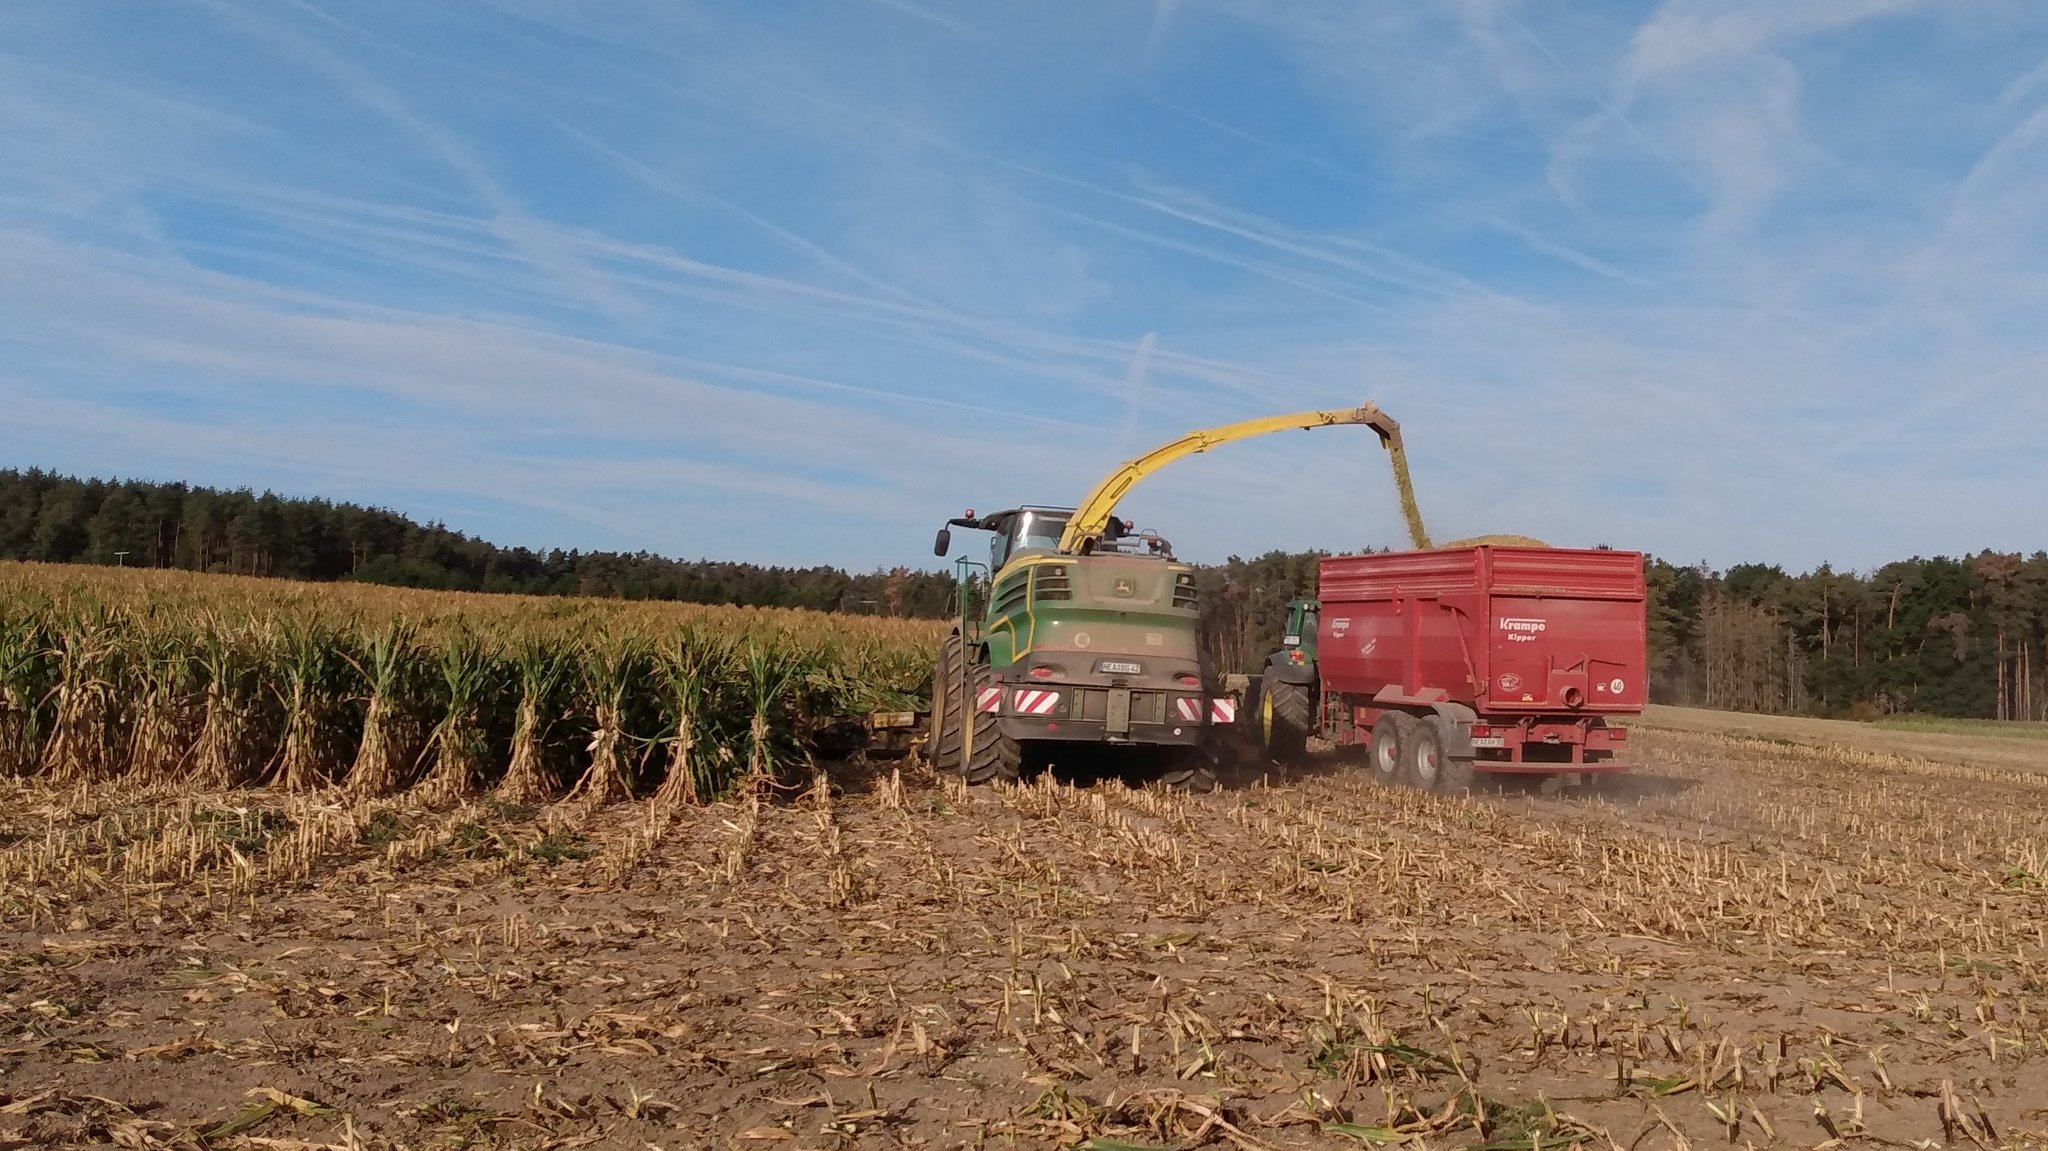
1745,943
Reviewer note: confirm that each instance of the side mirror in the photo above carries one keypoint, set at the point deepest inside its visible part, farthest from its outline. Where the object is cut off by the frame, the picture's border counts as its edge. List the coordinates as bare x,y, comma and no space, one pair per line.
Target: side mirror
944,543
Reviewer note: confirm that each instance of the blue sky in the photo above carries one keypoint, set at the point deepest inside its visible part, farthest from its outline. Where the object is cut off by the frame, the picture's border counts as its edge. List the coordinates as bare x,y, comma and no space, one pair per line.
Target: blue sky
1720,279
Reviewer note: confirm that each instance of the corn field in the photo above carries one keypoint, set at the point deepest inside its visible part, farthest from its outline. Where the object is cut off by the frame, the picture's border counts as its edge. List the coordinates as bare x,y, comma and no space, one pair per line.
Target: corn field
174,679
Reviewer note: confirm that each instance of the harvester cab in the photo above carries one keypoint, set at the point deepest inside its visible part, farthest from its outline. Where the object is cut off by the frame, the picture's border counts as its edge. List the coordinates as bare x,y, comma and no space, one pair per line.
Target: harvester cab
1082,630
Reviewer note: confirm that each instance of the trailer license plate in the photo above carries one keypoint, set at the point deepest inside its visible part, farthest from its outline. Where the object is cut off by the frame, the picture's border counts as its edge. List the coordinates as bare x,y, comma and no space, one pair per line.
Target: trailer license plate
1488,741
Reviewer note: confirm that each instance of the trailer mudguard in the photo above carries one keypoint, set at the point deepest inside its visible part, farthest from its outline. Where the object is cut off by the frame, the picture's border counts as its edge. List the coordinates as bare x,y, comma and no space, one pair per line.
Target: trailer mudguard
1439,701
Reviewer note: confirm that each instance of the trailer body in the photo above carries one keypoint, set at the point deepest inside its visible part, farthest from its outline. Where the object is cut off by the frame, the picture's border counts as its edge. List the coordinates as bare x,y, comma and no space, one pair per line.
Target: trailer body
1528,654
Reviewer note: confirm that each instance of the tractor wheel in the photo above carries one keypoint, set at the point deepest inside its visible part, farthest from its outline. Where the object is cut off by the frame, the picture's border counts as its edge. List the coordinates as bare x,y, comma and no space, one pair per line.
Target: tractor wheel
1391,734
1286,715
1426,761
996,756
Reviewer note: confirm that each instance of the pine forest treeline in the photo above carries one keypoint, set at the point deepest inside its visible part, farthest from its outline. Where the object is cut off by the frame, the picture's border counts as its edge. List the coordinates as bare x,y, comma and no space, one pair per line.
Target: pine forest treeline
1961,637
58,519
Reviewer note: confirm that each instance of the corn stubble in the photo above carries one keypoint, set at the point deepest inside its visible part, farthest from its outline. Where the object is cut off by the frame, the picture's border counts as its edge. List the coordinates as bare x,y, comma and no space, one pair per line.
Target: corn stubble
1751,946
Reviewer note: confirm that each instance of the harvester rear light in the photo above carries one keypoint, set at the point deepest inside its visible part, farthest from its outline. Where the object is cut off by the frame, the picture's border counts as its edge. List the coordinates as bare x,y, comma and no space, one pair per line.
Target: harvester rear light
1042,672
1184,590
1186,680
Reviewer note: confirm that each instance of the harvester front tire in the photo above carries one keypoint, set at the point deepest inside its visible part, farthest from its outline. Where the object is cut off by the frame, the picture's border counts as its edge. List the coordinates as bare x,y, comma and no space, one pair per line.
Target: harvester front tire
1286,714
1391,734
1426,761
996,756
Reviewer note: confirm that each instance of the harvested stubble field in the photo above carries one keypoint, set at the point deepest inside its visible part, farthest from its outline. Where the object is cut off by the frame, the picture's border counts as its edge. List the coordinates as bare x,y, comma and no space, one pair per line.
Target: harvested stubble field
1748,944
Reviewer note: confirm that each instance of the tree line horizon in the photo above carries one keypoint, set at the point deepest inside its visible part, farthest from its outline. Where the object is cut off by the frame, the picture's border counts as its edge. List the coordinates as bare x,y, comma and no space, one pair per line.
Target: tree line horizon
1950,636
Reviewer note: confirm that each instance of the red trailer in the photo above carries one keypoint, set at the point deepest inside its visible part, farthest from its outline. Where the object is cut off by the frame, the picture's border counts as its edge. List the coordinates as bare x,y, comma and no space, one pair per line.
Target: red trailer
1476,659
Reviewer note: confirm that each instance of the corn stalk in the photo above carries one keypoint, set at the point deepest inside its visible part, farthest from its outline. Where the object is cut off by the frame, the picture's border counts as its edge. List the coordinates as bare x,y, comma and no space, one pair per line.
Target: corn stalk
228,752
160,740
610,668
470,675
388,667
542,671
25,673
312,689
696,673
85,729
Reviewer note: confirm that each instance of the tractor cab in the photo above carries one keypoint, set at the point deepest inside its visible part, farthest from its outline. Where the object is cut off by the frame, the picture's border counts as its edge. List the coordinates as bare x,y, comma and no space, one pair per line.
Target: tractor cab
1303,617
1295,662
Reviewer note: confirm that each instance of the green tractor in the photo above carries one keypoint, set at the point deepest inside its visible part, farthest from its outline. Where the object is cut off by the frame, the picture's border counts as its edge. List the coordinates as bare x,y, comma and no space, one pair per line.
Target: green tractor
1080,631
1284,697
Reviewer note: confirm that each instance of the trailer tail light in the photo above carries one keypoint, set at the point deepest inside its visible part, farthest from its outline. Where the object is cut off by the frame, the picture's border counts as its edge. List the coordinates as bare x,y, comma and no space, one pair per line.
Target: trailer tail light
1480,729
1617,733
1295,657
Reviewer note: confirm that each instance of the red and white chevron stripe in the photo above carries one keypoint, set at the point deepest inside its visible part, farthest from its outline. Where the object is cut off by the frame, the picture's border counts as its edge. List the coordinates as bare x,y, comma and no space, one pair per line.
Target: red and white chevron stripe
1222,711
990,699
1189,710
1035,702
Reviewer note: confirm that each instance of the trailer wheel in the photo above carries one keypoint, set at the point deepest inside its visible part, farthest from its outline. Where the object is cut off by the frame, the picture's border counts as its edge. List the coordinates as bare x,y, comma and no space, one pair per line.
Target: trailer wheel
1426,761
1391,733
996,756
1286,714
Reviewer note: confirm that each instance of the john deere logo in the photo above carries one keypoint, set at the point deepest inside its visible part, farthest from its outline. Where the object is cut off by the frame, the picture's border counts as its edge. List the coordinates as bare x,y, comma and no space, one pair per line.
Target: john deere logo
1126,587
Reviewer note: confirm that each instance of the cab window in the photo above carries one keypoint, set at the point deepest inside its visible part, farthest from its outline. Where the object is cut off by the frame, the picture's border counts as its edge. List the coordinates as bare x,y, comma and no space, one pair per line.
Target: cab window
1040,529
1026,529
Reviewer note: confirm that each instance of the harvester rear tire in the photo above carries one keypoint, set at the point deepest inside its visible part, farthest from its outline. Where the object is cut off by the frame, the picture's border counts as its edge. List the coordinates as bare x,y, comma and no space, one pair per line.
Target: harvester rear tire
1198,774
1391,733
996,756
1426,761
1286,715
1201,768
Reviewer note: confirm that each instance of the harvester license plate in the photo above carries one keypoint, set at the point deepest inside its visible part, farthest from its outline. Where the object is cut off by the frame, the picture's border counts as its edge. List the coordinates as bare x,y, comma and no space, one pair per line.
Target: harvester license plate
1116,667
1488,741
